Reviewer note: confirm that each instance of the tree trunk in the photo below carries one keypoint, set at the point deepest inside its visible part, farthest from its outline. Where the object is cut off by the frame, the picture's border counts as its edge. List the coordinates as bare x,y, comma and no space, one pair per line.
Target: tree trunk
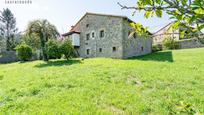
42,41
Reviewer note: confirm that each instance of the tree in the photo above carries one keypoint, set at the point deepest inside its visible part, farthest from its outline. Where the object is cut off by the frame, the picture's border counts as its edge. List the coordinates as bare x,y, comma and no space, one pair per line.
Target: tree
44,30
53,50
24,52
8,27
185,12
32,40
67,49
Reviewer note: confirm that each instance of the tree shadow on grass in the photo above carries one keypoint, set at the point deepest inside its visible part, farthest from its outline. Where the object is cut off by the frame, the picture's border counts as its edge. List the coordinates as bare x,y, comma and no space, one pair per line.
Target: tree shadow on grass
58,63
163,56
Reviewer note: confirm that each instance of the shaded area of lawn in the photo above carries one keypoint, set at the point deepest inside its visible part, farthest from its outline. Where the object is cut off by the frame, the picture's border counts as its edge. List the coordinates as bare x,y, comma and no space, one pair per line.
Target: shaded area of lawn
158,56
58,63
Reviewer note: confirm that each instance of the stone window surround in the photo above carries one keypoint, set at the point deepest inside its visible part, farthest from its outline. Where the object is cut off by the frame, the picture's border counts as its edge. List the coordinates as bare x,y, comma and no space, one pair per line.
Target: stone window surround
93,32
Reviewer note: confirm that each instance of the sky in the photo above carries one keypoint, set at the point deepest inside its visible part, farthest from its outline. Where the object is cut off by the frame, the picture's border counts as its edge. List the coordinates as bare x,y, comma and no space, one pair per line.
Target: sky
65,13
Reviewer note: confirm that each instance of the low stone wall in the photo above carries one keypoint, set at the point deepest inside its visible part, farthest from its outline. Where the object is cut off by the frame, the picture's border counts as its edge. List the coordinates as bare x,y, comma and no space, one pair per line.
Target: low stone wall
189,43
8,56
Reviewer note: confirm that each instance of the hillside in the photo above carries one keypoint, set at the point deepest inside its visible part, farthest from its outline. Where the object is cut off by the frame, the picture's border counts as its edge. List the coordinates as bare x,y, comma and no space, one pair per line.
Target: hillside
159,83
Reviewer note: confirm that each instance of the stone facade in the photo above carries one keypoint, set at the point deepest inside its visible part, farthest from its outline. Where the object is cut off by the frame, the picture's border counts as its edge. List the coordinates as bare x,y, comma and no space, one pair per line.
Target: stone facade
107,36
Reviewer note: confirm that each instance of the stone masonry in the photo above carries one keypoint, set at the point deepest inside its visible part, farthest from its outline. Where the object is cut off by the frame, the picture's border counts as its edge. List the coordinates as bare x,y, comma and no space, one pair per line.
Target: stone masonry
108,36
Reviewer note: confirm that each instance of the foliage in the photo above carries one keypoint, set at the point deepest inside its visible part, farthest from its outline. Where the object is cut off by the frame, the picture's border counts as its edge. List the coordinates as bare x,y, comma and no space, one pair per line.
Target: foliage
8,28
67,49
156,48
170,43
53,50
24,52
2,43
149,85
44,31
184,12
32,40
139,29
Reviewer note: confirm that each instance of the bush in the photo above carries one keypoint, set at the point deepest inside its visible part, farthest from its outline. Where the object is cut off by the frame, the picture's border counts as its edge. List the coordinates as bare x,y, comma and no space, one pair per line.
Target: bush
156,48
169,43
67,49
52,49
24,52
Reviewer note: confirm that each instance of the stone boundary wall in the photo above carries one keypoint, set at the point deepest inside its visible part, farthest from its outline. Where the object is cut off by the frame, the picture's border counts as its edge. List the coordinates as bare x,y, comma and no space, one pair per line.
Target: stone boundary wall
189,43
8,56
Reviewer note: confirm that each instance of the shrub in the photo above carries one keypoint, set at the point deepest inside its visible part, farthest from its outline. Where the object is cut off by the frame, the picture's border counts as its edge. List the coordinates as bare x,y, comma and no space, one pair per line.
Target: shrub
156,48
24,52
67,49
169,43
52,49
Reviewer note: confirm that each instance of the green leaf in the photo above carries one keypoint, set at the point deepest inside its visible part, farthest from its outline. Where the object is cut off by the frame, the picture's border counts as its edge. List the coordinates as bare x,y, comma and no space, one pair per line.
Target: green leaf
199,11
182,34
184,2
147,14
148,2
158,13
152,14
158,1
175,25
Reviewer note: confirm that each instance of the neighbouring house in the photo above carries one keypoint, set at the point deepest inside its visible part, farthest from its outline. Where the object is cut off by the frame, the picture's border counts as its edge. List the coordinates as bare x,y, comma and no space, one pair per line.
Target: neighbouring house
102,35
168,32
165,32
186,42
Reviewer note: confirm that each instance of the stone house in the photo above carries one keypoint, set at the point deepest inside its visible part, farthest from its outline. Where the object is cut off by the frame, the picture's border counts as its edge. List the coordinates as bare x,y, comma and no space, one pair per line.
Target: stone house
165,32
168,32
102,35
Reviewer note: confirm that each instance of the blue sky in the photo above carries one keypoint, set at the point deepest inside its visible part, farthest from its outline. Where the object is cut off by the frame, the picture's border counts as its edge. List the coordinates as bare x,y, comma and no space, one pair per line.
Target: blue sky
65,13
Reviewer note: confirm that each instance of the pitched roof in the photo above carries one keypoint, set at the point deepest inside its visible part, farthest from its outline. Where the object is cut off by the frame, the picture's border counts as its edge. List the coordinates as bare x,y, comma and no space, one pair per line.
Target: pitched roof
98,14
163,27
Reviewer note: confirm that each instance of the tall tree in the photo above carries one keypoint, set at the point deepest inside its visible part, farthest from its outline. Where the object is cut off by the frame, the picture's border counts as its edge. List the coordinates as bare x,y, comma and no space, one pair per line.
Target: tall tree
185,12
44,30
8,27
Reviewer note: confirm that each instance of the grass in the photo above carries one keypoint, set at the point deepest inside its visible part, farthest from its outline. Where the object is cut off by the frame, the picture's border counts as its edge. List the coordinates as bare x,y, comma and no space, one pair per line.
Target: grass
166,82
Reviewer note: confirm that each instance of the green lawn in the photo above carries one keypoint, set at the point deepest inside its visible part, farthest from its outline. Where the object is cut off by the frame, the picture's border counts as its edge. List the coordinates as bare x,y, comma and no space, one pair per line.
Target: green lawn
153,84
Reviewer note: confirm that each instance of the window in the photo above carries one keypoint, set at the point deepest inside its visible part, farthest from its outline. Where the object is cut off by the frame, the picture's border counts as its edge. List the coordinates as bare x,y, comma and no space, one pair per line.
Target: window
88,51
100,49
101,33
93,35
87,36
142,48
87,25
86,43
114,49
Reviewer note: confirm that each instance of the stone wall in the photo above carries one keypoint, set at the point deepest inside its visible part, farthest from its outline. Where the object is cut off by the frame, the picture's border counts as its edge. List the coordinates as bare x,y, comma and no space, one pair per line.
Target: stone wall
189,43
8,56
112,27
134,46
115,42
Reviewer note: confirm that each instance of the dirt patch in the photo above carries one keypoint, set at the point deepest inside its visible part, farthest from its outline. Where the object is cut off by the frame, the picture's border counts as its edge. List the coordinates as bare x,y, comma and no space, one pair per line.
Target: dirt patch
115,111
